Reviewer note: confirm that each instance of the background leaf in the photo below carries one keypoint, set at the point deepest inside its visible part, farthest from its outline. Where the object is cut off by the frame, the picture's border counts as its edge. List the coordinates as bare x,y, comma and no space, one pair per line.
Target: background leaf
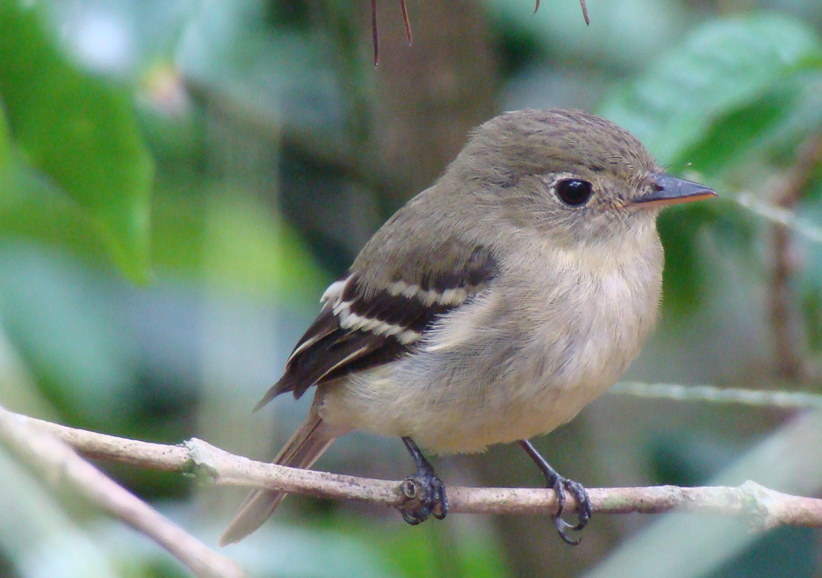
721,68
79,133
721,105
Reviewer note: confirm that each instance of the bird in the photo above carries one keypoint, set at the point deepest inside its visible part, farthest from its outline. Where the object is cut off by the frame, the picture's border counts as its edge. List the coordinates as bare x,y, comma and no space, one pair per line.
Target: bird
489,309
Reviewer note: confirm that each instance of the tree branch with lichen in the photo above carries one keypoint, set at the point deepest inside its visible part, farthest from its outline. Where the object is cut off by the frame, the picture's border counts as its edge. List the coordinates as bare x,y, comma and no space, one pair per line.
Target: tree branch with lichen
47,449
763,508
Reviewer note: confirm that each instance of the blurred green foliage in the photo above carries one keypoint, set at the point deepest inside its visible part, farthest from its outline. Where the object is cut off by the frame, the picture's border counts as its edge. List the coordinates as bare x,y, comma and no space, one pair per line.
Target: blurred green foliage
80,135
167,163
680,105
737,92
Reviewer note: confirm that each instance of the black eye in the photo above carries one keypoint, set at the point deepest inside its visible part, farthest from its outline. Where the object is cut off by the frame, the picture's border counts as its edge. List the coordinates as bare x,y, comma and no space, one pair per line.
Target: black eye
574,192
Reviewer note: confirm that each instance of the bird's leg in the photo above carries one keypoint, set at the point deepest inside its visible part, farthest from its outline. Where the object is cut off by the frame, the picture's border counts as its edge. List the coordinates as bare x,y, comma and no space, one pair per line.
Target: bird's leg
424,491
560,484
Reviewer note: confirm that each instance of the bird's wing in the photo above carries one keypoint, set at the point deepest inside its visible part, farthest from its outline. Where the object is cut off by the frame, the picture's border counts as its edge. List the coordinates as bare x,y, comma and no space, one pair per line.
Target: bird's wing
361,327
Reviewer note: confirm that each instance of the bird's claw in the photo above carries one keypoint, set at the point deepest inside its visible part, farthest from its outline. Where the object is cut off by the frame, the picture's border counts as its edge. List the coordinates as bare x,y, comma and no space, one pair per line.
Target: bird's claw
424,496
583,509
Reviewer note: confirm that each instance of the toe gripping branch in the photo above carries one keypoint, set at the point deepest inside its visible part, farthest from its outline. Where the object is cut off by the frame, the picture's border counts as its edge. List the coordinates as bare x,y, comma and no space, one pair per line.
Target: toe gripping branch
560,485
424,492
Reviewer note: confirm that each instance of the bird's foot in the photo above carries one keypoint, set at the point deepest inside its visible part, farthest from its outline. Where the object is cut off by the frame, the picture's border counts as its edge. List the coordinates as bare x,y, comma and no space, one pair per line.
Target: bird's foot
424,492
425,496
561,485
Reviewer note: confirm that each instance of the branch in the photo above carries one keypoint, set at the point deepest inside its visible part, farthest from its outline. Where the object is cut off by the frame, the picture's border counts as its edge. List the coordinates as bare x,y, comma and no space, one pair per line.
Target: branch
761,507
36,443
771,398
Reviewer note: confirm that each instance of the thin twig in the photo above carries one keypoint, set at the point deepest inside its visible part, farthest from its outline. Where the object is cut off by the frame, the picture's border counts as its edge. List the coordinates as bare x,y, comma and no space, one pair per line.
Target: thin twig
406,21
581,3
585,12
374,34
770,212
762,507
55,460
714,394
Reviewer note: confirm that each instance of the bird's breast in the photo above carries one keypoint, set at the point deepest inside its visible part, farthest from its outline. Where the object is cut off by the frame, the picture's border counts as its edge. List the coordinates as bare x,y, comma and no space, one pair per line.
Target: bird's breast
518,361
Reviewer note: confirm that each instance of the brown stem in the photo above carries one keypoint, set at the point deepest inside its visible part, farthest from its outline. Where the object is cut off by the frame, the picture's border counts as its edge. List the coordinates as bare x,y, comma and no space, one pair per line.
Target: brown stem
406,21
374,35
788,363
782,318
585,12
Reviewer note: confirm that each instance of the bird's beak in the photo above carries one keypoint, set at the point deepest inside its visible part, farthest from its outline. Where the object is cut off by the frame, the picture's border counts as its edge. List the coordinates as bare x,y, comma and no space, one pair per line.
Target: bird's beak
668,190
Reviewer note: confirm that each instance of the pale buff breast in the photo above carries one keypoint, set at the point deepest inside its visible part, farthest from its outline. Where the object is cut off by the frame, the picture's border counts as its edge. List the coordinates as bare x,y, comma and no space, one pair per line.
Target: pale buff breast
509,373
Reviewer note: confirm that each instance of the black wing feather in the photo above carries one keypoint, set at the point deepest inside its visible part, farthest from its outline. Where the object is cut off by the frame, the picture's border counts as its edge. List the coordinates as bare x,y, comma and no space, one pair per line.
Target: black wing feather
328,351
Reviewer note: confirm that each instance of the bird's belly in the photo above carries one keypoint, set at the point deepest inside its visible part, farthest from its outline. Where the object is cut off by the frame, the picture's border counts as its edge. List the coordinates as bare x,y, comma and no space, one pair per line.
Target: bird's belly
503,422
502,381
444,412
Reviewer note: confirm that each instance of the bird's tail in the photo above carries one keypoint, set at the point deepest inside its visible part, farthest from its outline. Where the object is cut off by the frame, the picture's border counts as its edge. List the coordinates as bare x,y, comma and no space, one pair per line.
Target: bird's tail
307,444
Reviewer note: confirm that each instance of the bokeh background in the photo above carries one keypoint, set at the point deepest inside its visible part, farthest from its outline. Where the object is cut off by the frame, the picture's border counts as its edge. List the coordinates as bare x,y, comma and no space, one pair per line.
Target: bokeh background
181,179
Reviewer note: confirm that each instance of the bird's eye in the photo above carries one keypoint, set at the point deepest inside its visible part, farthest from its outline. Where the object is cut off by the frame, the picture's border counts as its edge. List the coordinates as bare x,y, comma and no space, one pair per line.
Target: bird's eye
574,192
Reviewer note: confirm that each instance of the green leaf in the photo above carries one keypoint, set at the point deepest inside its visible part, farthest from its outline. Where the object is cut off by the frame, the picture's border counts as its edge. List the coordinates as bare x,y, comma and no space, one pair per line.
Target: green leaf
732,135
722,68
79,133
743,149
723,103
33,208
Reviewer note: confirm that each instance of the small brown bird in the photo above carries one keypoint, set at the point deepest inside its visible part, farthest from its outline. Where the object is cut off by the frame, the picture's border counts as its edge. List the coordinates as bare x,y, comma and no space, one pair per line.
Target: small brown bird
492,307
